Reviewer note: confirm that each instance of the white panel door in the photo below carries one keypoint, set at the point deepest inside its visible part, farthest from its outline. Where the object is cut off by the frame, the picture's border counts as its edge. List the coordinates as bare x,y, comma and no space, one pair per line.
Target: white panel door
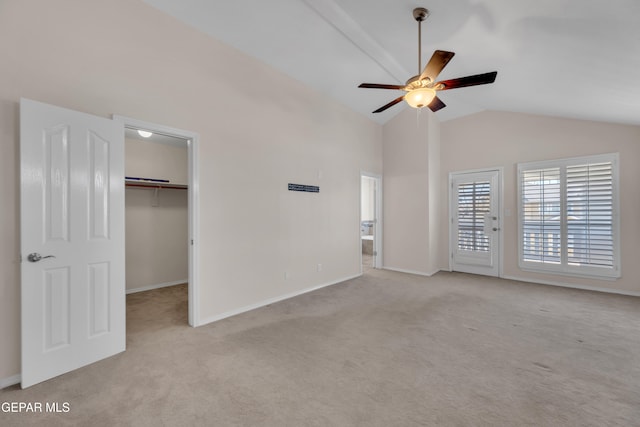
475,222
72,240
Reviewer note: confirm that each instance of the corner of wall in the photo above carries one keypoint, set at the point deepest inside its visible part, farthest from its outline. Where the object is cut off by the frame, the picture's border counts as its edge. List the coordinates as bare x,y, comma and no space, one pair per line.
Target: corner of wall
411,157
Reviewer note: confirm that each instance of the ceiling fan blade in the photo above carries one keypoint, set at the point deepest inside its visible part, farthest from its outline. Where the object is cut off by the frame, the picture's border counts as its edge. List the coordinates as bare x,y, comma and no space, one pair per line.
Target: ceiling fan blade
478,79
438,61
380,86
391,104
436,104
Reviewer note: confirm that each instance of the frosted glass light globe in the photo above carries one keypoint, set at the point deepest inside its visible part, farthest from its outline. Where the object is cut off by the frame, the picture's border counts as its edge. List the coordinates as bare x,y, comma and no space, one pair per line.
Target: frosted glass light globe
420,97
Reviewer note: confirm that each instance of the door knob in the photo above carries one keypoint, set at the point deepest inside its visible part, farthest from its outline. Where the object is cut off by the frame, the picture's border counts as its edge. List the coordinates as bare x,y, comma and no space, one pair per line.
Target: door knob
35,257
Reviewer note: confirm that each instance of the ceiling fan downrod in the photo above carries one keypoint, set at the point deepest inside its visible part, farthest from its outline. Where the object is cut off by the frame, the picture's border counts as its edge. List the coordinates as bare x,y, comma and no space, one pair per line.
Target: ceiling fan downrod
420,14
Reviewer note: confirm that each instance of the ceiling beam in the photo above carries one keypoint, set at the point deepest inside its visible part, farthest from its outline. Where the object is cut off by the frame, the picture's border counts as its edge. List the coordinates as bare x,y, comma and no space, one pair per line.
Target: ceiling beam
352,31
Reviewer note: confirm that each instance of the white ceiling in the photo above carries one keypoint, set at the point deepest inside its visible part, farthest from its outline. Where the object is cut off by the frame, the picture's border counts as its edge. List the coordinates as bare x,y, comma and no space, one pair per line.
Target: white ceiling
568,58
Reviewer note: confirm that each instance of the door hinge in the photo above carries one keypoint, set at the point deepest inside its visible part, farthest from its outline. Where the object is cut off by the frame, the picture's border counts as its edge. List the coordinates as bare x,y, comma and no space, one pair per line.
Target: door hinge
191,242
375,253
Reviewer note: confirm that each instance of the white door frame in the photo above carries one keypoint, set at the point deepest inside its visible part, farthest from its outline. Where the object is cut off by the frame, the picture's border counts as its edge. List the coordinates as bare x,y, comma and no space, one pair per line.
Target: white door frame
377,230
500,209
193,191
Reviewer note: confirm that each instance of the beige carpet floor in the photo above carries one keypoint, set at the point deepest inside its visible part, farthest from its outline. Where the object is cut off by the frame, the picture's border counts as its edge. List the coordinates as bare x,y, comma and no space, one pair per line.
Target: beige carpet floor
386,349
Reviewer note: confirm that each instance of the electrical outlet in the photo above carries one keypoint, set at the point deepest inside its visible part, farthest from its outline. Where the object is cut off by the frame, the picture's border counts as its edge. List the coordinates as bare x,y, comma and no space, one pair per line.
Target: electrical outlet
319,267
286,275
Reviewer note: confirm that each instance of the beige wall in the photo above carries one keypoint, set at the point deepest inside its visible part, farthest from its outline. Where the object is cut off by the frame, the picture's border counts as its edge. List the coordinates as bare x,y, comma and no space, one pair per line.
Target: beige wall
492,139
156,230
156,238
259,130
367,206
434,201
146,159
410,158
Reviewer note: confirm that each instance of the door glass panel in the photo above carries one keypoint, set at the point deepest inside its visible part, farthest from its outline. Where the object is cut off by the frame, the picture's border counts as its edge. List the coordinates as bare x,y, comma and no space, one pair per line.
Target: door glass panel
474,202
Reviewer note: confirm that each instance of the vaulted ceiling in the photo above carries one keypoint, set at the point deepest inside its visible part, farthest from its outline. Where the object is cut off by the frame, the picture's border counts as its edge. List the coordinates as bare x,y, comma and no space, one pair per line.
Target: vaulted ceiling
568,58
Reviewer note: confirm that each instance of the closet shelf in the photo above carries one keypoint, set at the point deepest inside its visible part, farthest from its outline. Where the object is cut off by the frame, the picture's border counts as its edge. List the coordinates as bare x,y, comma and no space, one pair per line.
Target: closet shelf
159,185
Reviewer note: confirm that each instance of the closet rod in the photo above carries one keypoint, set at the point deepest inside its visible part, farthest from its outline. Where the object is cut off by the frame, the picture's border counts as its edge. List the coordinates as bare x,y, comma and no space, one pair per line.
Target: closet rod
160,186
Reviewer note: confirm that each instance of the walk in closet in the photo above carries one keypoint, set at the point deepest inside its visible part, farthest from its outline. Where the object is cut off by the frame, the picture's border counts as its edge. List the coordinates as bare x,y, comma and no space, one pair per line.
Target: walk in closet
156,211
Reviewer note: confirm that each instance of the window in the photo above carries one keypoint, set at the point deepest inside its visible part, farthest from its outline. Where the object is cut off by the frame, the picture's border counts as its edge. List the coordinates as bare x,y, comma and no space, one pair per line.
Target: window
568,216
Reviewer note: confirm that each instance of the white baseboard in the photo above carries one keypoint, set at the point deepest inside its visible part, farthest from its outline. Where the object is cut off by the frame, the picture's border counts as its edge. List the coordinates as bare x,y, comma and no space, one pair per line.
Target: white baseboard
573,286
7,382
158,286
401,270
250,307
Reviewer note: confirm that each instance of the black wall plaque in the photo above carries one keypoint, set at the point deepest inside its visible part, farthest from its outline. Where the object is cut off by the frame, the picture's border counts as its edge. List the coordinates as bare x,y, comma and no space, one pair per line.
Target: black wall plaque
305,188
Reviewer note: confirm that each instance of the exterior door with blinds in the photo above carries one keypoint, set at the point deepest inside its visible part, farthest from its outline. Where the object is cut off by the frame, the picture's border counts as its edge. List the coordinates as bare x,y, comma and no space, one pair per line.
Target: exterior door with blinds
475,222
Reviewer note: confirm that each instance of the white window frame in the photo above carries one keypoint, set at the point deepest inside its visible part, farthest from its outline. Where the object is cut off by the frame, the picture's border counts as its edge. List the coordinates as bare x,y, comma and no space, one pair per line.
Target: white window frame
564,268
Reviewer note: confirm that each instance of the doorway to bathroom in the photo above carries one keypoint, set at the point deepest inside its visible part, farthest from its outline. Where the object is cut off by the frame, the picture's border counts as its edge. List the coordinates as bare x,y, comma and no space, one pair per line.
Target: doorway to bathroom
370,221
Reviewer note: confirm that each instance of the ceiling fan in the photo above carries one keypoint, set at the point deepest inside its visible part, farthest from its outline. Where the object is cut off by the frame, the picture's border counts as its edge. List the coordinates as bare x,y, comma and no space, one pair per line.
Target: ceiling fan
421,89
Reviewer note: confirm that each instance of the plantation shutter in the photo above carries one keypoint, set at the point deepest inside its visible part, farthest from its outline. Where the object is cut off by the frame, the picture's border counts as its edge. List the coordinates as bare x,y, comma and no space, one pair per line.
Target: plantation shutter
474,202
590,214
568,216
542,215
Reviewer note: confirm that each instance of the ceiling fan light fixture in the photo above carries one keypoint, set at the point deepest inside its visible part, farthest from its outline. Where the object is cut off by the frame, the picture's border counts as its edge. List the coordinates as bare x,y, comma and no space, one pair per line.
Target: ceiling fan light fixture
421,97
421,89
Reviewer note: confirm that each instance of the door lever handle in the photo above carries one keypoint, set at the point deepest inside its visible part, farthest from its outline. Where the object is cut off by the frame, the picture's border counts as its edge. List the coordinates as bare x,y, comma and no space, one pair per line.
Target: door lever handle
35,257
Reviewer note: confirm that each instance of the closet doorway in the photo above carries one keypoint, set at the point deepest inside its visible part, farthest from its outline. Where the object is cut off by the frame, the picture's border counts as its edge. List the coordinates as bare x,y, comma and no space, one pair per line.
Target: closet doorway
161,215
370,221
